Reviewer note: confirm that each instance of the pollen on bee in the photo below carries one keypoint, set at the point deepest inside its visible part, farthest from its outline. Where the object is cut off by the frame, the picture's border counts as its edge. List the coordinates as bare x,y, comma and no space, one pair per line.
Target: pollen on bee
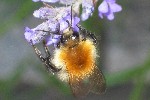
78,61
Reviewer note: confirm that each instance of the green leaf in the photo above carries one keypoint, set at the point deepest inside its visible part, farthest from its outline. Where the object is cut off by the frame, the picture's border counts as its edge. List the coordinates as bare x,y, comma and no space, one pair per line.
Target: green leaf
128,74
136,93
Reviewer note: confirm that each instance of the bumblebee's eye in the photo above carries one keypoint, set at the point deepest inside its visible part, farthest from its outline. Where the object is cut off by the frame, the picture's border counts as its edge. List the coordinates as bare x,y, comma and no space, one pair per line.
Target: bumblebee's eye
63,39
75,35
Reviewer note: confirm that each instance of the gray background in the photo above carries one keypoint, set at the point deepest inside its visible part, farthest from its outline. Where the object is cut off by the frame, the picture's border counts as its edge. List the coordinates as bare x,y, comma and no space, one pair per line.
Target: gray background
125,44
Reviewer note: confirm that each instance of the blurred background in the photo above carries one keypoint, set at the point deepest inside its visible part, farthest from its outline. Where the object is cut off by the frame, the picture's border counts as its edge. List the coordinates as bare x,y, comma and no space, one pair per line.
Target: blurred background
124,49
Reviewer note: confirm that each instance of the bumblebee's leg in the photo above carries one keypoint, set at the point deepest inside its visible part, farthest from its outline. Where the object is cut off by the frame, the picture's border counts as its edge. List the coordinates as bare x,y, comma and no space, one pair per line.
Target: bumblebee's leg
86,34
46,49
47,62
38,53
49,67
58,45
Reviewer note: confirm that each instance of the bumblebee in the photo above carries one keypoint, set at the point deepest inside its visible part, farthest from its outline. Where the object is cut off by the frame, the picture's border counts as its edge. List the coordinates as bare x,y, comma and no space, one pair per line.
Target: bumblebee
74,61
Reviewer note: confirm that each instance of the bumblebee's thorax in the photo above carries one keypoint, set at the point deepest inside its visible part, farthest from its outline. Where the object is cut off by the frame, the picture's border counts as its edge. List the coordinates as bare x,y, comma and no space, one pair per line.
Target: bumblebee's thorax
70,38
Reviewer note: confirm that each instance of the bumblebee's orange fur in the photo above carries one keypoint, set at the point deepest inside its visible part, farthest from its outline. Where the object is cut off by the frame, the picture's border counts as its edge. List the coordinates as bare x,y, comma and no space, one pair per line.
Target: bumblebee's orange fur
77,61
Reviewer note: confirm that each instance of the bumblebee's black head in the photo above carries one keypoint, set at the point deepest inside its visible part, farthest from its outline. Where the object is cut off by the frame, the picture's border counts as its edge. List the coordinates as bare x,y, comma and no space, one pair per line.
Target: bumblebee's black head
70,37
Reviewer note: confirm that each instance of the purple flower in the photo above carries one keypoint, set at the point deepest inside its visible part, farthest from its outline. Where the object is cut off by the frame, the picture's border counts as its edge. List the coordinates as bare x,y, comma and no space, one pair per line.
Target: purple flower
45,13
64,24
87,9
108,8
56,21
28,34
59,18
37,34
66,2
51,1
32,35
52,39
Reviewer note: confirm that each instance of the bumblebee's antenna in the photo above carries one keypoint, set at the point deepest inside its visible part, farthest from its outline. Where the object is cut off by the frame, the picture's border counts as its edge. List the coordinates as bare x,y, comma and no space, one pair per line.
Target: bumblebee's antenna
71,15
70,23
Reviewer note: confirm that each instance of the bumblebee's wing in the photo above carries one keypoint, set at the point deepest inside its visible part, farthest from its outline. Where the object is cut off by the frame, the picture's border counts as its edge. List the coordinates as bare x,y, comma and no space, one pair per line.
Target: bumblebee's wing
95,83
80,87
98,81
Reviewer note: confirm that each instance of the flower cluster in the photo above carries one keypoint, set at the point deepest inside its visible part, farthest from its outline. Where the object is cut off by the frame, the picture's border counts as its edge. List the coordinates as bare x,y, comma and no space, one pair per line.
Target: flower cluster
57,18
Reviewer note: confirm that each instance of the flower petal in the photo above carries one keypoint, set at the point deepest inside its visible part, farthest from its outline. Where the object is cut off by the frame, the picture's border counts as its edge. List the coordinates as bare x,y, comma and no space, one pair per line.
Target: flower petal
67,2
53,39
110,1
87,9
110,16
63,25
100,15
51,1
45,13
84,16
75,21
103,7
49,40
115,7
28,34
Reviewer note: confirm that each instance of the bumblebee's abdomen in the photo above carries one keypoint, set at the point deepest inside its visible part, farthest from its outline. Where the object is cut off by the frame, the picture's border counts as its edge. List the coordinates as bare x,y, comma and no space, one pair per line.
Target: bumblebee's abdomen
80,59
